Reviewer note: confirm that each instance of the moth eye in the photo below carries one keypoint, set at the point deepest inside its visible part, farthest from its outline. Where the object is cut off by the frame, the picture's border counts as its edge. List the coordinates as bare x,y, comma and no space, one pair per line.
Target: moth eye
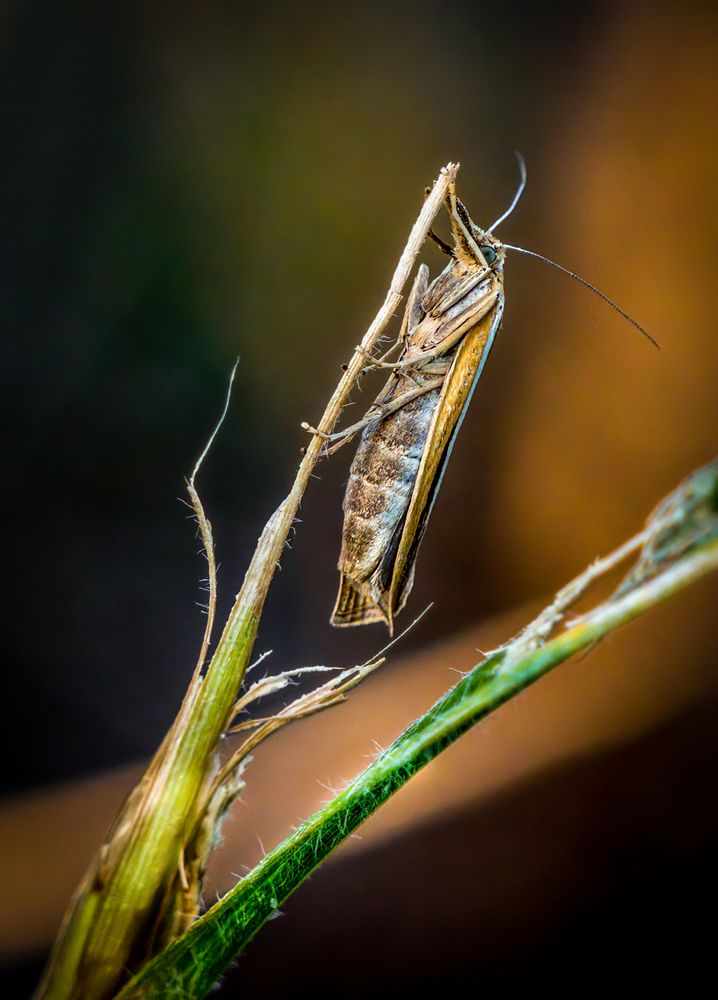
488,252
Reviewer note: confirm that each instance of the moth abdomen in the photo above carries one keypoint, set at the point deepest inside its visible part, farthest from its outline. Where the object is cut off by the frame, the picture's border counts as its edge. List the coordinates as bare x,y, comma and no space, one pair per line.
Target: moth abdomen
381,483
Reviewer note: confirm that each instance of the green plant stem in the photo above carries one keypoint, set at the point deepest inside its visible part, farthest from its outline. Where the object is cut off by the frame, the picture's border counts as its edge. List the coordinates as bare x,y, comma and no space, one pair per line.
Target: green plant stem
191,966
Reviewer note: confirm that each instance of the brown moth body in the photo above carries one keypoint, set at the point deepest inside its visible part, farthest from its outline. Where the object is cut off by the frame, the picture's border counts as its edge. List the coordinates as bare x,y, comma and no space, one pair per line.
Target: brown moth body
447,332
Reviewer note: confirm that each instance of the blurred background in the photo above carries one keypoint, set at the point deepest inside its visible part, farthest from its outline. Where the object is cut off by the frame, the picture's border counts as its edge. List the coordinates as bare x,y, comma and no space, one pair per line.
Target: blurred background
184,184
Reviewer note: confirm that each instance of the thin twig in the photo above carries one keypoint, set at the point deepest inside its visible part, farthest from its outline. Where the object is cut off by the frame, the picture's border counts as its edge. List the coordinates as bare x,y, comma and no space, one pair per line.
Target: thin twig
542,627
205,530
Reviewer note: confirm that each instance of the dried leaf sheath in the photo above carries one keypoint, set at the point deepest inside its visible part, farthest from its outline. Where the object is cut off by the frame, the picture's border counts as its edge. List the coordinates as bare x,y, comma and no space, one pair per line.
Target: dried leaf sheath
447,333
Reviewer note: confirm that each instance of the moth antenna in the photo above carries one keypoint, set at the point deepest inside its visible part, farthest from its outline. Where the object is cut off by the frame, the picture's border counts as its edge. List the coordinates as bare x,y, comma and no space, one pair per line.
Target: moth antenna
517,196
592,288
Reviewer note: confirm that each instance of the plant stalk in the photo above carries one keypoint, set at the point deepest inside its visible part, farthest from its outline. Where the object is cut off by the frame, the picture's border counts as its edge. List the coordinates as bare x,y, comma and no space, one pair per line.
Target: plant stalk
190,967
116,905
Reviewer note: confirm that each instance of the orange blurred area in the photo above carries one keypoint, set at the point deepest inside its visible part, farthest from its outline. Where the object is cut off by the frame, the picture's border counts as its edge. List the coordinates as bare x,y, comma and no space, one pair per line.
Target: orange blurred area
239,181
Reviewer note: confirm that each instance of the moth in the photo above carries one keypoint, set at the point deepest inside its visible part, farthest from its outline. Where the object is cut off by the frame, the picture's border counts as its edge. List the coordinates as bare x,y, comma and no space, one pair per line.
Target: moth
446,334
447,331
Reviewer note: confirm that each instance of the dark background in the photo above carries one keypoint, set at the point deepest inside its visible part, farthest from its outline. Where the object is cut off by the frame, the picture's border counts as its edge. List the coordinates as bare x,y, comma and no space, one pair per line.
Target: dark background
188,185
185,184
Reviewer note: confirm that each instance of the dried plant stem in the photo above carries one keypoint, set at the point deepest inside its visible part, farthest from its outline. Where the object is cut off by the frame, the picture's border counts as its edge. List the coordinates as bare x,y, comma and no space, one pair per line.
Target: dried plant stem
191,966
544,625
125,886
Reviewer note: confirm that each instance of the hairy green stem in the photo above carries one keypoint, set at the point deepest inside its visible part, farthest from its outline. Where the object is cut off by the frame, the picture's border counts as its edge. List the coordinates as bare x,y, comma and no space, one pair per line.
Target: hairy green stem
191,966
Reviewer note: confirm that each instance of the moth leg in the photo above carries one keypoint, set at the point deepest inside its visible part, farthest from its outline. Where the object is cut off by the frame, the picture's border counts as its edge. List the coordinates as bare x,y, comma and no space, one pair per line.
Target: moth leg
438,367
377,412
373,362
444,247
413,314
450,340
389,352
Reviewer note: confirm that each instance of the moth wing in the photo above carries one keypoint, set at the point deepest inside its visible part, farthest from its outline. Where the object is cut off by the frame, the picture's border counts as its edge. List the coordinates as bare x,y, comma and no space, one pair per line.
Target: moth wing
354,606
455,397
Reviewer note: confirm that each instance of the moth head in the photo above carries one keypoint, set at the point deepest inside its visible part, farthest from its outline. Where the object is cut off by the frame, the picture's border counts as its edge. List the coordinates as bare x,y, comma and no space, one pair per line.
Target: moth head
491,249
472,245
